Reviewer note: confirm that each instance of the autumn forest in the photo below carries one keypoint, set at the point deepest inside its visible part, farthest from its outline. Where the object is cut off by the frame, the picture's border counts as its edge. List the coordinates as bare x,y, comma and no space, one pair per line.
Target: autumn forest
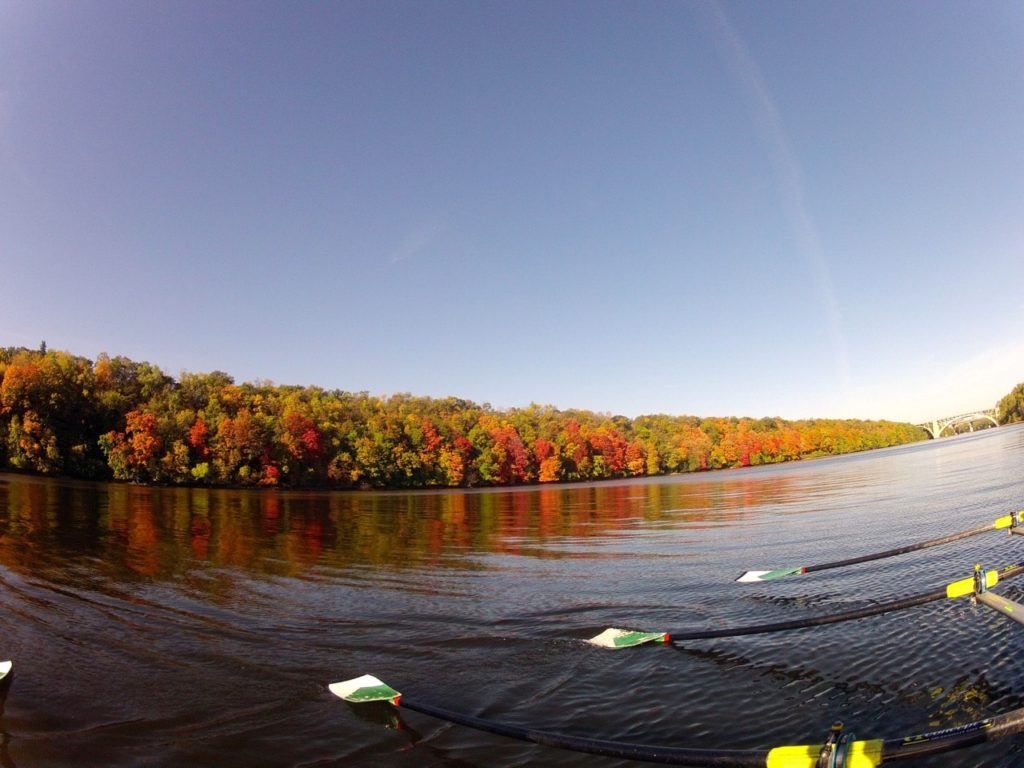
126,420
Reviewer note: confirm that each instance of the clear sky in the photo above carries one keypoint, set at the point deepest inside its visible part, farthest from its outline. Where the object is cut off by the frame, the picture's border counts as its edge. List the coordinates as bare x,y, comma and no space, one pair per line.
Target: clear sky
740,208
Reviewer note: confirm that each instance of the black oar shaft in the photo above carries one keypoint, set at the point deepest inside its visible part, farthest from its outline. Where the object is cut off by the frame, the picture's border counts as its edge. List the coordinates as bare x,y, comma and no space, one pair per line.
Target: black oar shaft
813,621
934,742
899,550
833,618
714,758
948,739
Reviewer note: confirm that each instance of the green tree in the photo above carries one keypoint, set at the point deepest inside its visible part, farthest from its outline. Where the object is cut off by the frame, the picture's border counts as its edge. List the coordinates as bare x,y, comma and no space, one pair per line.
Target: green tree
1010,409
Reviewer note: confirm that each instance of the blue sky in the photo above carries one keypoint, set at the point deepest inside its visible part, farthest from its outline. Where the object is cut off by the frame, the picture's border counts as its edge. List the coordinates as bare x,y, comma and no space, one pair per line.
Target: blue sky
739,208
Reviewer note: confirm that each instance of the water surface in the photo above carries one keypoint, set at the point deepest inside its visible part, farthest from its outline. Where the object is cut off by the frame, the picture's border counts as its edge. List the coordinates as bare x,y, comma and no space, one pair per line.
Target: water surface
197,627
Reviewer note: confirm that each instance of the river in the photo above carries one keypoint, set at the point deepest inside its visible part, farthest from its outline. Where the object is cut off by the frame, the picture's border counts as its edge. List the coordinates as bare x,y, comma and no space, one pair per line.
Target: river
179,627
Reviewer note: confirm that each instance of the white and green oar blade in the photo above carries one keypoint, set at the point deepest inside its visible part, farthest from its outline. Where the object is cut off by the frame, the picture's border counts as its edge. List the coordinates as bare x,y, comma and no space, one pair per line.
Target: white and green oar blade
626,638
778,573
5,667
362,689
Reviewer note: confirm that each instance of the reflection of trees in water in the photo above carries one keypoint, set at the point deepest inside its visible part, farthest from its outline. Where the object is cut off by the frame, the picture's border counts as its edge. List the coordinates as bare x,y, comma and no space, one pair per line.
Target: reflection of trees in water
971,697
153,532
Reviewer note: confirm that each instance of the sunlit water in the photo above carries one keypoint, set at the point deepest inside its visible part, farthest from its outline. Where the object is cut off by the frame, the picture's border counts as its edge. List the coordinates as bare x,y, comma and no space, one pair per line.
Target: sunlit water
195,627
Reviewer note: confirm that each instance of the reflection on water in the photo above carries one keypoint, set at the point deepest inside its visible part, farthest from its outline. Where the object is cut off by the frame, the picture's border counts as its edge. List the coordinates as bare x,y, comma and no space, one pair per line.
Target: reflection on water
200,627
159,532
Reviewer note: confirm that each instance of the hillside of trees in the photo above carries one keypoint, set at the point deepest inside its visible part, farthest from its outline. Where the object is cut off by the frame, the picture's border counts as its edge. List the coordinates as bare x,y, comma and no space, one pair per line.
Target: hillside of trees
1010,410
117,418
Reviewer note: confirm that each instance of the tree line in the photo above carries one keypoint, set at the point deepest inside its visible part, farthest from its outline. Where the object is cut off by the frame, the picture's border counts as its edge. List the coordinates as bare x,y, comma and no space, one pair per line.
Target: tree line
1010,409
117,418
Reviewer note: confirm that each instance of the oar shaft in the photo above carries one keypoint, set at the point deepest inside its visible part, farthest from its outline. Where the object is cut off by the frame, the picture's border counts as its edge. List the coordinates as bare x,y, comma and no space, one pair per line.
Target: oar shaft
834,618
935,742
714,758
814,621
948,739
899,550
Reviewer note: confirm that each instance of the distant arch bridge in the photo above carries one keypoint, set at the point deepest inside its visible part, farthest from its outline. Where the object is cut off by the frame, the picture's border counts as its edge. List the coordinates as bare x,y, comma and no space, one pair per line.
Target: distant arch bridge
936,427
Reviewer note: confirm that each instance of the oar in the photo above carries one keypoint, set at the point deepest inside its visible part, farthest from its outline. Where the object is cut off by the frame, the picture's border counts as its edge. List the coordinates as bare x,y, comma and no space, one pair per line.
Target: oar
1007,521
956,589
838,749
5,667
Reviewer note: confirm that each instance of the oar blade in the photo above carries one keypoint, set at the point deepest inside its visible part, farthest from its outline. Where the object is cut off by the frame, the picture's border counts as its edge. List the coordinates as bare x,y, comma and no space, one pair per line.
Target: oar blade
626,638
363,689
778,573
5,667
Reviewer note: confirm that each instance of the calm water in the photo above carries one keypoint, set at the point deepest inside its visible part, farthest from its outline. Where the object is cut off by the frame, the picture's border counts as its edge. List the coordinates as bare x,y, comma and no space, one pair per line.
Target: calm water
193,627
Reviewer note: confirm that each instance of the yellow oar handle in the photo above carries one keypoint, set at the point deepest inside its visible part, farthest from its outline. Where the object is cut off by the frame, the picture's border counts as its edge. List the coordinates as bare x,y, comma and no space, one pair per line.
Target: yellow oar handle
966,586
862,754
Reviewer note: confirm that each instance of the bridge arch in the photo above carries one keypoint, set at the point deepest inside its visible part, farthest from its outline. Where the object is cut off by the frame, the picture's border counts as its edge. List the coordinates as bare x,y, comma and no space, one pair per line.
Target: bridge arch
937,427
